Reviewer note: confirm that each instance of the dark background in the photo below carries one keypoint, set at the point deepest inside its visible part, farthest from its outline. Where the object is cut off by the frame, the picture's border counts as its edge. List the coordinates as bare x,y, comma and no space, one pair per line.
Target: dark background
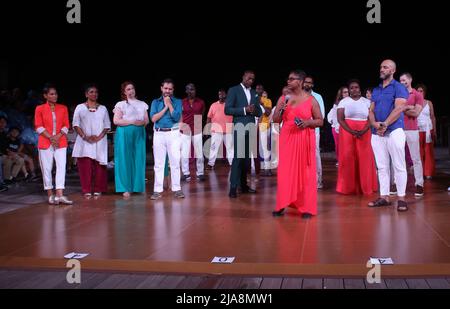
212,43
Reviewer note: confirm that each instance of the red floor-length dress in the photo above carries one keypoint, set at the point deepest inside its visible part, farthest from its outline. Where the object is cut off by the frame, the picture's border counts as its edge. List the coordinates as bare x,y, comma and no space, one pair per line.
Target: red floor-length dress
297,162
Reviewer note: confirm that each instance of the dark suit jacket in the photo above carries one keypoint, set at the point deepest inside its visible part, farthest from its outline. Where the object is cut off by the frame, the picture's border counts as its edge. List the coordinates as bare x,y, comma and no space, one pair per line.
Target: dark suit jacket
236,102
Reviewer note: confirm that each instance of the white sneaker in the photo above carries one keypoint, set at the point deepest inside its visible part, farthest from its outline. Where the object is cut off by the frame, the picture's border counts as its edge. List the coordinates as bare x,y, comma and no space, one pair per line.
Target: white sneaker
62,200
51,199
97,193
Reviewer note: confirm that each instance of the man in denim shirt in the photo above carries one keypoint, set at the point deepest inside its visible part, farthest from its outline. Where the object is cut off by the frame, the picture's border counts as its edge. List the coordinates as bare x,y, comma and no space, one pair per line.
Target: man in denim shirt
165,113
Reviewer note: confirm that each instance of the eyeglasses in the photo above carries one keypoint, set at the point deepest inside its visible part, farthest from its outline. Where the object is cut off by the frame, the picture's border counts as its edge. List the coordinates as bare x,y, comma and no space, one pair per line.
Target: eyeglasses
293,78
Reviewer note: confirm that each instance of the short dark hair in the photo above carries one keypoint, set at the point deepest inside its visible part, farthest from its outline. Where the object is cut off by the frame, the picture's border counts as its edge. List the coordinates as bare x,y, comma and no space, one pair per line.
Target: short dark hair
249,72
407,74
167,81
309,76
3,117
425,89
47,88
15,128
88,86
300,73
353,80
222,90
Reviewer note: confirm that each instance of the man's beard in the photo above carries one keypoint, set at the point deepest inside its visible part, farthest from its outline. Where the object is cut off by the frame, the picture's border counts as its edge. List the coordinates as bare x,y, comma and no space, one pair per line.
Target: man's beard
387,76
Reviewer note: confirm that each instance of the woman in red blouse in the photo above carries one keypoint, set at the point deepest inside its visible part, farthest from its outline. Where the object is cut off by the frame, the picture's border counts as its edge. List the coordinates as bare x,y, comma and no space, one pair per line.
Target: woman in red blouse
52,125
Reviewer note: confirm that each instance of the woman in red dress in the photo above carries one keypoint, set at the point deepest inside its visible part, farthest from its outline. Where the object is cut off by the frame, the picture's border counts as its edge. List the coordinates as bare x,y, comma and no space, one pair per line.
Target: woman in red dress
300,114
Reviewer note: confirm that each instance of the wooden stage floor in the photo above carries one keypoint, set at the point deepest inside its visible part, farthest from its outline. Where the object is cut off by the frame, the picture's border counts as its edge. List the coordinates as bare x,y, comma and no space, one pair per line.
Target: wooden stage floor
183,236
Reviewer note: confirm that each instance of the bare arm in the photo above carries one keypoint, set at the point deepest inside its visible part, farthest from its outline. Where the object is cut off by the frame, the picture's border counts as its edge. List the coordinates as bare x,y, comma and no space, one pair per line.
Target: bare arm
396,112
372,120
343,123
281,104
79,132
118,119
414,111
317,120
142,122
433,118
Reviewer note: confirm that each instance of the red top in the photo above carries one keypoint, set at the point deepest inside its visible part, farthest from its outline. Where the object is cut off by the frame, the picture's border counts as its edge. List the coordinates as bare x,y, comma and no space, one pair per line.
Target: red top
414,98
43,118
197,108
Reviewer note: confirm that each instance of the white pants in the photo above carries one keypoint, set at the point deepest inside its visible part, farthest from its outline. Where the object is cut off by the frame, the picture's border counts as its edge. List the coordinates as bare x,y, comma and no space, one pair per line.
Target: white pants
412,139
46,157
216,141
275,137
264,148
318,160
388,150
167,143
197,141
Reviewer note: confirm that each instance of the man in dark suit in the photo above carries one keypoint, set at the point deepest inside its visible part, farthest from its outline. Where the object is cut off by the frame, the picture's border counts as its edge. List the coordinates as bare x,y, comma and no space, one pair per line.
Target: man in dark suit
243,104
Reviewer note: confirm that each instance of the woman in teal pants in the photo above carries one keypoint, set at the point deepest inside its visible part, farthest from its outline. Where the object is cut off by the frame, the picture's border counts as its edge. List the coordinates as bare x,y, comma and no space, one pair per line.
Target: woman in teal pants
130,117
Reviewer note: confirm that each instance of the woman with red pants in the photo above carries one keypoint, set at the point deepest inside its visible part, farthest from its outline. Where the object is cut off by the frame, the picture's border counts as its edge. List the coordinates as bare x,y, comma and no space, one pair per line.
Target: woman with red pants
356,173
91,121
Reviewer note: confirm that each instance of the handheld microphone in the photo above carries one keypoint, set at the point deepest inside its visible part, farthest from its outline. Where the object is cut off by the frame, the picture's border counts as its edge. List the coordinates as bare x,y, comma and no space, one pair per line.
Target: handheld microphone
286,99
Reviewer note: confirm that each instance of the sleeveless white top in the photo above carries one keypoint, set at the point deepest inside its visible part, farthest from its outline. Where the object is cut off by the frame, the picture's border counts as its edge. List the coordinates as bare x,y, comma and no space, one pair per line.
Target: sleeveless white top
424,122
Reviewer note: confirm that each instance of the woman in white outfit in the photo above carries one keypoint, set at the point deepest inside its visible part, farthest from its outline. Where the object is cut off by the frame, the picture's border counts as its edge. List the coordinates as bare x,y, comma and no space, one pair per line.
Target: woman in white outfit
91,121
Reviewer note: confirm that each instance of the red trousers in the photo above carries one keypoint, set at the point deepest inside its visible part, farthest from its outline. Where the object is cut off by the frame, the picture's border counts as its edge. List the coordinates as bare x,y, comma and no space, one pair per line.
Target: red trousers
93,176
427,155
356,173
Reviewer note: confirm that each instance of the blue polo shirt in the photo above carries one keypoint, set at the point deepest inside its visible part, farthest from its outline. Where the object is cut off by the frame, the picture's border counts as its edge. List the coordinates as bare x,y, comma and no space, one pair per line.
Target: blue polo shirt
384,100
168,120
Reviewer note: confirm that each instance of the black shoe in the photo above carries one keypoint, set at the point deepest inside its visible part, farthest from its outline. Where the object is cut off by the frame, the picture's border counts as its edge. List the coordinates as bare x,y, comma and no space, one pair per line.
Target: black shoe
9,181
278,213
248,190
232,193
34,178
3,188
201,177
186,178
306,215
